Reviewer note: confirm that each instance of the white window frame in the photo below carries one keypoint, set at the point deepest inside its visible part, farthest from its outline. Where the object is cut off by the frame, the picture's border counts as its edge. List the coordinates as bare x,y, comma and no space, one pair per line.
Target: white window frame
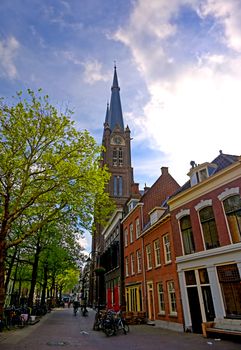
157,252
126,266
131,233
139,260
126,237
138,229
148,257
132,264
172,298
167,248
161,298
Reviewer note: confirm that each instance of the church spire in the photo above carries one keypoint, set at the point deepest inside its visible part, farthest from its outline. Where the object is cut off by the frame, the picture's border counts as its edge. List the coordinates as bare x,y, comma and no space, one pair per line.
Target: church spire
115,113
107,116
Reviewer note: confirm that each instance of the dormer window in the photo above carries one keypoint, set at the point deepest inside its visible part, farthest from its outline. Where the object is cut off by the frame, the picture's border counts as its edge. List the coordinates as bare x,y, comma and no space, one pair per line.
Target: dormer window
203,174
155,214
200,172
132,203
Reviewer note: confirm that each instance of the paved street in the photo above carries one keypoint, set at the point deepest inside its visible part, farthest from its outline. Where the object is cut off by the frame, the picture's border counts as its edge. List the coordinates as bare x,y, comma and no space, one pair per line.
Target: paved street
61,329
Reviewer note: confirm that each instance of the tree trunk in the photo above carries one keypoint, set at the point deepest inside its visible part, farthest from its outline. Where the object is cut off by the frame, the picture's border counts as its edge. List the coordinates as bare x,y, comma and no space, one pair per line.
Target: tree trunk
34,274
45,283
10,267
13,298
3,253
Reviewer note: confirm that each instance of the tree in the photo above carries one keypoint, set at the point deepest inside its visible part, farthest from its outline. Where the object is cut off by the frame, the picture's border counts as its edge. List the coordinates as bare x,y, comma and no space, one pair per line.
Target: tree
48,170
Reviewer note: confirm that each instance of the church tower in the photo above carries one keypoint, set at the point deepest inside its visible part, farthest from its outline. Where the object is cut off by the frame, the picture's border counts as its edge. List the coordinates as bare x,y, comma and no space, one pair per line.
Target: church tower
106,251
117,154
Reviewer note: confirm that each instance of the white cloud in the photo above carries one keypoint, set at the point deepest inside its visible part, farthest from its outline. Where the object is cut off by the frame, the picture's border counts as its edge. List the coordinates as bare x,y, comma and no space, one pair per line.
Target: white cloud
86,241
228,12
194,108
8,51
93,72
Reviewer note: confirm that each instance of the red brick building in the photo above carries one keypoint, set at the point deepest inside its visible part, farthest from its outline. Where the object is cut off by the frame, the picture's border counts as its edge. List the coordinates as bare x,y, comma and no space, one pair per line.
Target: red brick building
151,281
206,220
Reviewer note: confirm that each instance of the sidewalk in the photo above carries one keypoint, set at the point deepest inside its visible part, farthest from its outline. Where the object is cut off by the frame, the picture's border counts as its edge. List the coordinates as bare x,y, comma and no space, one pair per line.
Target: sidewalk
61,329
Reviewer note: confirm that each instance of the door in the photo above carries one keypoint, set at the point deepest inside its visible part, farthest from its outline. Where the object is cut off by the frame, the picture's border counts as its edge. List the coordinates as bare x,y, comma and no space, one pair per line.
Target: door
208,303
195,310
150,301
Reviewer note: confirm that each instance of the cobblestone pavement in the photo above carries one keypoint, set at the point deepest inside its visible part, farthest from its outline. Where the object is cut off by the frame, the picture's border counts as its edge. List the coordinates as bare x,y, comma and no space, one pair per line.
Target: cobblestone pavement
61,329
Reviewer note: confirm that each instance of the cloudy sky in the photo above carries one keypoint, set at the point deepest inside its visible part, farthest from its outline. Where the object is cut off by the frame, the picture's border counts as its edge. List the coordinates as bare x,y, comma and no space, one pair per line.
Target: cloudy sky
178,65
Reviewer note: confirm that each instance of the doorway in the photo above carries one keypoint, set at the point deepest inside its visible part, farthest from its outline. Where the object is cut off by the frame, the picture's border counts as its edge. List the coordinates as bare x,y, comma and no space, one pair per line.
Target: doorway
151,313
195,310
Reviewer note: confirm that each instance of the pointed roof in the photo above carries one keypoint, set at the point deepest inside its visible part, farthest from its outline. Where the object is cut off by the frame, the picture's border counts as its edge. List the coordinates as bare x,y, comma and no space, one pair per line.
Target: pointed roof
115,113
107,116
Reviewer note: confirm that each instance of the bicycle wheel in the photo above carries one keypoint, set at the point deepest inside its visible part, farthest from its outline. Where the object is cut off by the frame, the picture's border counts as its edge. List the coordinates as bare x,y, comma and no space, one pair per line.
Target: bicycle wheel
126,328
109,331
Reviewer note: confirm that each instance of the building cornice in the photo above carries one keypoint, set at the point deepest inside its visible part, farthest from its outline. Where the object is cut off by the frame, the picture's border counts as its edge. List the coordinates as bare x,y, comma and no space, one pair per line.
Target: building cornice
132,211
116,216
215,181
208,254
162,220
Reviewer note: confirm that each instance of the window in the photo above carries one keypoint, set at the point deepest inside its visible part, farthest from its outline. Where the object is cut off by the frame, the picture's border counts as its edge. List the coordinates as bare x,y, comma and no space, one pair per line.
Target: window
187,235
148,256
137,228
139,260
127,266
120,156
126,237
161,302
157,253
118,185
209,227
133,298
167,249
172,298
132,264
117,157
232,207
203,175
131,233
229,279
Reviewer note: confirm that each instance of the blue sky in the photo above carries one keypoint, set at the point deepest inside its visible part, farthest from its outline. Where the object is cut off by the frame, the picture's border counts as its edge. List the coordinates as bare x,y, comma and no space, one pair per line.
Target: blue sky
178,64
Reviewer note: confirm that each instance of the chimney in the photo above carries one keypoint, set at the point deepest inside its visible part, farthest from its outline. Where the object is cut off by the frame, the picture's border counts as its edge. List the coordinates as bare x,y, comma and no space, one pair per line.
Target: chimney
164,170
146,188
135,188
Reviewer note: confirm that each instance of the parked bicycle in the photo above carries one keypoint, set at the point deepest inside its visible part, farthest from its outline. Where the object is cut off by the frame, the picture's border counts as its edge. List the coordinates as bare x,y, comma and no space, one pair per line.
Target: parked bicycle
99,318
14,317
120,324
110,322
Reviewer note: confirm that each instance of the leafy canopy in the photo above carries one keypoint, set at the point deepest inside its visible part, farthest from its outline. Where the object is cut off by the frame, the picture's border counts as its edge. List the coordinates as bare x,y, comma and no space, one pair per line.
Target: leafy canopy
48,169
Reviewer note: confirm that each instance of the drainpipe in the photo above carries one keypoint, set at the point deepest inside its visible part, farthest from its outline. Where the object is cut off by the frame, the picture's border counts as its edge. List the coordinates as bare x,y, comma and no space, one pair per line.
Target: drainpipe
144,267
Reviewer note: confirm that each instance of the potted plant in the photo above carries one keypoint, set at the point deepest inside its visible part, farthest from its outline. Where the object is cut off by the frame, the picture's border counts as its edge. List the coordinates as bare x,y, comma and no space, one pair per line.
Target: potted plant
99,270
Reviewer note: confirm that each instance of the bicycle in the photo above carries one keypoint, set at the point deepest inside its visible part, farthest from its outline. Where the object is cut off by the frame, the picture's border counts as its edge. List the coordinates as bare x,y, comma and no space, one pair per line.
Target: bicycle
99,319
113,322
120,324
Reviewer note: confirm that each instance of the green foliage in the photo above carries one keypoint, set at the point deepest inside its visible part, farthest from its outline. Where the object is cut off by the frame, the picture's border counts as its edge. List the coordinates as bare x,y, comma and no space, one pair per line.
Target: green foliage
48,170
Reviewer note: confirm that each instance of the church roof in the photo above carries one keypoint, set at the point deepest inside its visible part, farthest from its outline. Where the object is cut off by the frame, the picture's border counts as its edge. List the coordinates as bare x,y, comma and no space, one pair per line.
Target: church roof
114,116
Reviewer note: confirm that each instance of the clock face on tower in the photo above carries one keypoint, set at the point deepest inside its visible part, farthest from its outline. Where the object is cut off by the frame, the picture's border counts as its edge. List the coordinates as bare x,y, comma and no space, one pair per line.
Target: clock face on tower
117,140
